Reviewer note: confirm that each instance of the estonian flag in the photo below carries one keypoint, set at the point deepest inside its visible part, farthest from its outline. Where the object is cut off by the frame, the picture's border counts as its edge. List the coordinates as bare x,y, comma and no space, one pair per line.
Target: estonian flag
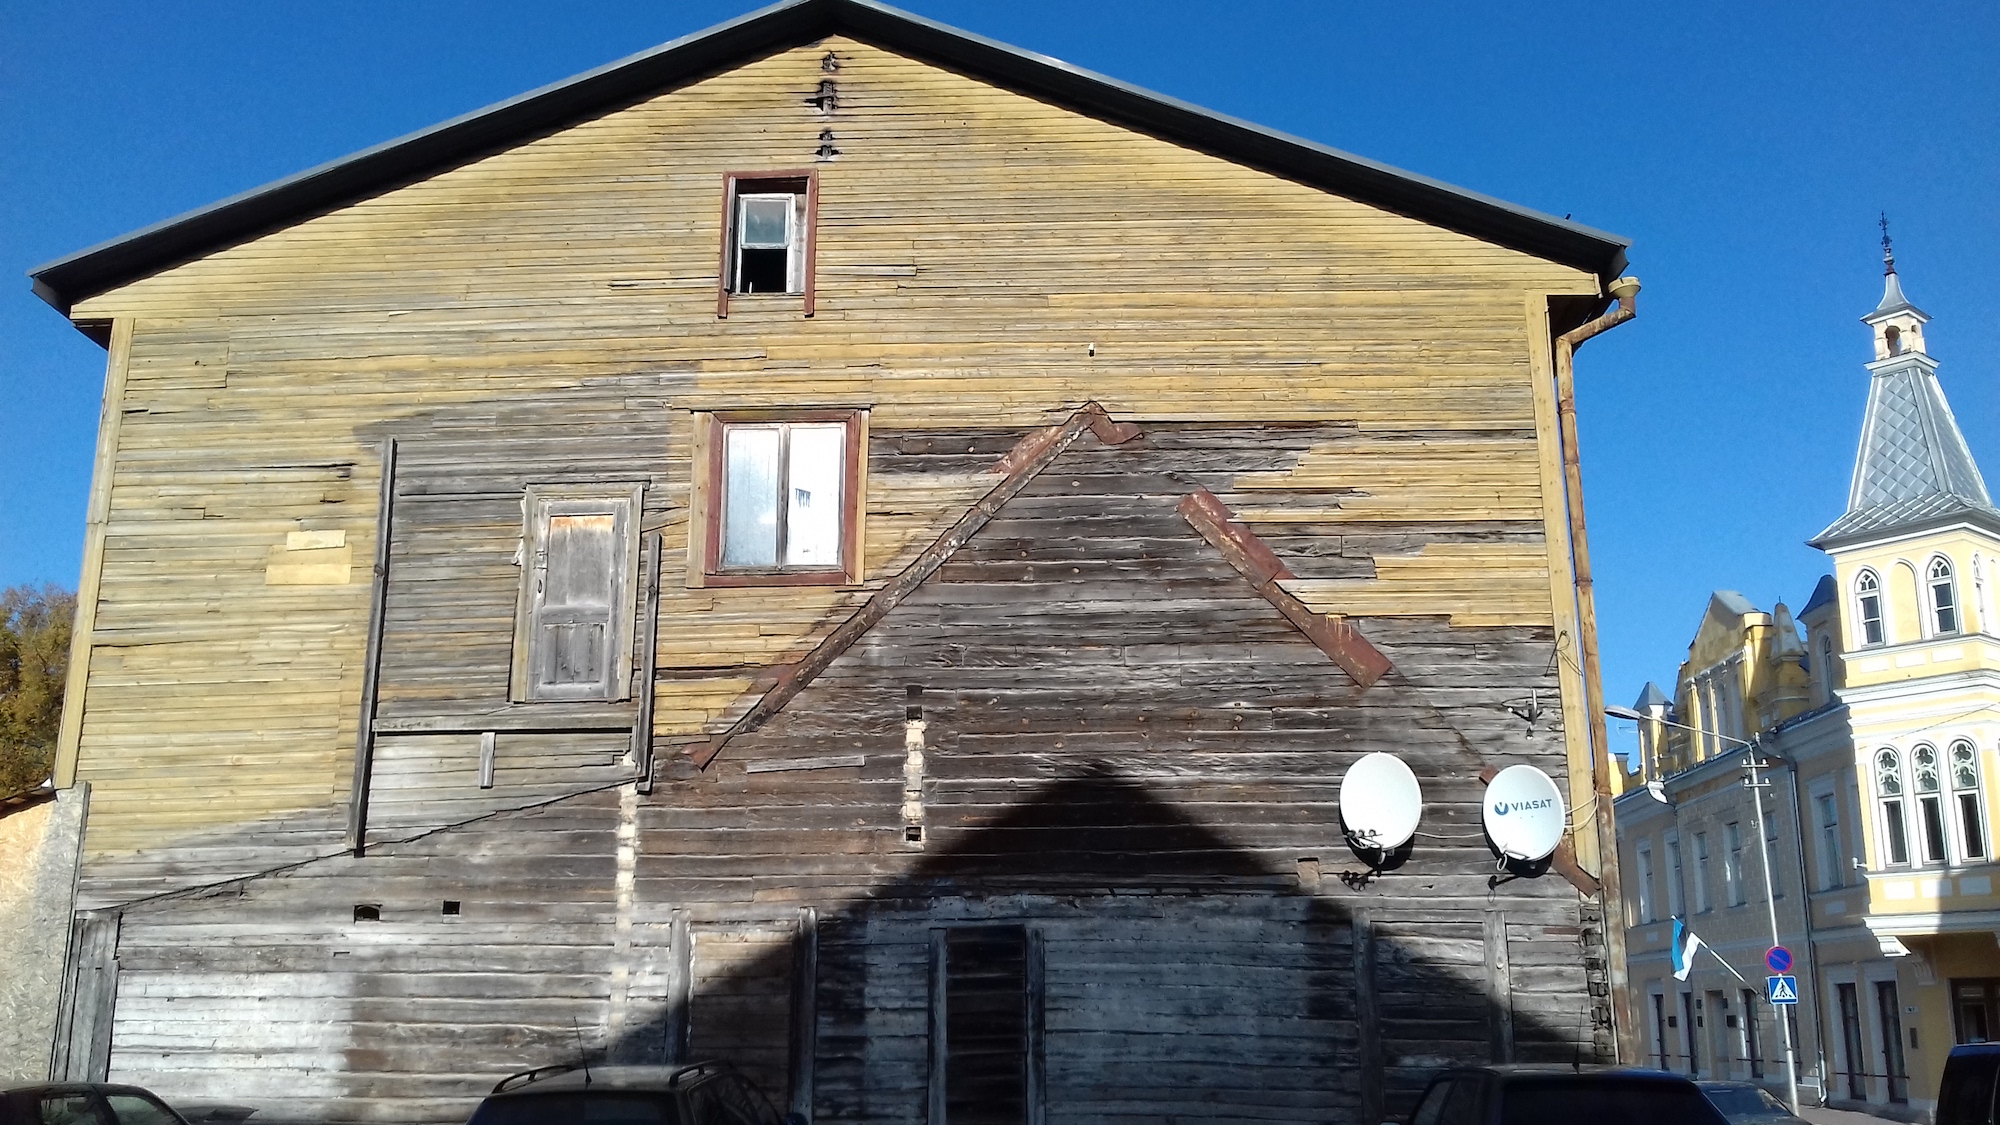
1686,943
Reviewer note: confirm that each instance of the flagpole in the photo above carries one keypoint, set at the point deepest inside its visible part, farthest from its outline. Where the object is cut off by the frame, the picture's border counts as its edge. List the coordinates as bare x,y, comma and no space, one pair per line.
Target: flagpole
1752,762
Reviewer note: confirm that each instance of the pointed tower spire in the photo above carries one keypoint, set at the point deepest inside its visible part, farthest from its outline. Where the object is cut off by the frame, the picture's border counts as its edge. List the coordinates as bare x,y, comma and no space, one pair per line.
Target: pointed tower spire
1893,300
1914,469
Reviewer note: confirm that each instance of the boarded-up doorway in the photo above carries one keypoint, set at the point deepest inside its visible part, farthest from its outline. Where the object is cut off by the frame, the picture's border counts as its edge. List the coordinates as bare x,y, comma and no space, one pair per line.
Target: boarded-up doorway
986,1026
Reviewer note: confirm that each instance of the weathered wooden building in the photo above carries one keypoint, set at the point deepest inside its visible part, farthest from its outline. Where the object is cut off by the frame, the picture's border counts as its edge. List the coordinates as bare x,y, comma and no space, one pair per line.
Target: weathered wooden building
844,545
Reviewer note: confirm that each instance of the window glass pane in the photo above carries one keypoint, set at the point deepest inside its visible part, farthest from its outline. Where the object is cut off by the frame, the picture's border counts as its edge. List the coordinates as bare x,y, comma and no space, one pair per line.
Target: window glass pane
750,496
1964,766
767,220
580,567
134,1110
1610,1097
1888,777
1899,837
1932,810
1463,1108
1431,1110
813,500
577,1108
1925,765
70,1109
1968,820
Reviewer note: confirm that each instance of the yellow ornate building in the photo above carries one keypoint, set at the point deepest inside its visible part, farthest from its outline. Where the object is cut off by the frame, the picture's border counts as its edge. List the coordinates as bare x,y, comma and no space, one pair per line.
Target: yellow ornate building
1882,723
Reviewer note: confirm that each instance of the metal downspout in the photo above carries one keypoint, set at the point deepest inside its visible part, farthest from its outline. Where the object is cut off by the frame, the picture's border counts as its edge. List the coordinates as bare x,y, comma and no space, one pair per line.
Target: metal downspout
1611,892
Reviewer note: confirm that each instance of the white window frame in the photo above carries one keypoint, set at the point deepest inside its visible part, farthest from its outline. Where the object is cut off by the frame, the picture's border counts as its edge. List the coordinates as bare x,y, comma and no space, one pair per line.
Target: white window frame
1732,863
794,244
1948,582
1643,860
1676,875
1826,834
1774,852
1867,588
1926,800
1702,903
1885,765
1957,806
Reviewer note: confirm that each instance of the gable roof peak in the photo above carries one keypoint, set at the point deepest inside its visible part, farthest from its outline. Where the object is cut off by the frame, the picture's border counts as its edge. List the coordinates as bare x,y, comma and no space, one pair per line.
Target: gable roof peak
782,26
1732,603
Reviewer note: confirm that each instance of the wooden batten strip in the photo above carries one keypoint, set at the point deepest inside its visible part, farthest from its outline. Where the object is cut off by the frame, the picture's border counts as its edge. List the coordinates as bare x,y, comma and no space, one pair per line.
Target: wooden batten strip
1257,562
371,668
1033,453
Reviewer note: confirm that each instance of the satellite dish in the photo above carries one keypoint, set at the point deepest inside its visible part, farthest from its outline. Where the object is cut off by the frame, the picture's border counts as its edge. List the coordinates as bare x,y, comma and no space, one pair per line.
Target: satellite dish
1380,802
1524,813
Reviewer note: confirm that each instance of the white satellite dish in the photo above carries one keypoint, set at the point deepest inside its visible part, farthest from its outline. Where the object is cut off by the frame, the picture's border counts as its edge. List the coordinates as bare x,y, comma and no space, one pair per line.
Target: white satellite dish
1524,813
1380,802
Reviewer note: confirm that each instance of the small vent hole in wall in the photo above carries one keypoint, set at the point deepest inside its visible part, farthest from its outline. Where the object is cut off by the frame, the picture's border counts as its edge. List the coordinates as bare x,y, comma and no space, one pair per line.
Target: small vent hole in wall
367,913
914,833
450,906
913,706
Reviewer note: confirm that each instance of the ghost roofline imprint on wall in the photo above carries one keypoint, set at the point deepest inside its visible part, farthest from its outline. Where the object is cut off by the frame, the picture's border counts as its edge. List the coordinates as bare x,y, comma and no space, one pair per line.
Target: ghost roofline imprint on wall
885,548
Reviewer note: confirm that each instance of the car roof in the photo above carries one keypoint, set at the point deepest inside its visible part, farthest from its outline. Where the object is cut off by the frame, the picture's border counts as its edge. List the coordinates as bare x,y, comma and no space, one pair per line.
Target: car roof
1976,1049
1561,1070
636,1078
81,1088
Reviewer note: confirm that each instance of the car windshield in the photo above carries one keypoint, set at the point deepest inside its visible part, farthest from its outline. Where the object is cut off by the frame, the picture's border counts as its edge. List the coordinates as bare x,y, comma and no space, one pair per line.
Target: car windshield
1744,1101
1629,1101
578,1107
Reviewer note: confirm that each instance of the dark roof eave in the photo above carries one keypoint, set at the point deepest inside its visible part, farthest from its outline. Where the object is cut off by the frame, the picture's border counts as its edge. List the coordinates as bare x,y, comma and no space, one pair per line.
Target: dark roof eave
1833,538
86,273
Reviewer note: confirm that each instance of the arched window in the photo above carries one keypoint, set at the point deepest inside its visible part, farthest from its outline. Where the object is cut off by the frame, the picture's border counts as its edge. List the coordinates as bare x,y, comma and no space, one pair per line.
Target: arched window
1895,819
1930,803
1826,683
1894,339
1868,607
1965,792
1944,600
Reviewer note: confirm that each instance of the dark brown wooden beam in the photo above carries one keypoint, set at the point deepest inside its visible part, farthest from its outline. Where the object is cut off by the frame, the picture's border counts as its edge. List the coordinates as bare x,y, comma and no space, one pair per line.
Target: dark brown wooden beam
1033,453
1253,559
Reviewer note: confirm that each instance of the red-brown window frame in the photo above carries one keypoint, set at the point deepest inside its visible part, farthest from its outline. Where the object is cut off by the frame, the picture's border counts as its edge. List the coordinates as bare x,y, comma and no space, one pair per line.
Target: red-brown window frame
732,183
710,495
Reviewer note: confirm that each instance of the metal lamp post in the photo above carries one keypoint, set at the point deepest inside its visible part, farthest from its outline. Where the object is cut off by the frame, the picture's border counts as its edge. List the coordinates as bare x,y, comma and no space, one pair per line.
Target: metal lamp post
1753,761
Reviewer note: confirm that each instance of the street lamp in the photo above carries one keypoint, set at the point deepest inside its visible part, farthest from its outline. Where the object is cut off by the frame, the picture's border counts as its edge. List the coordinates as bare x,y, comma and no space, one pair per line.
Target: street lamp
1753,761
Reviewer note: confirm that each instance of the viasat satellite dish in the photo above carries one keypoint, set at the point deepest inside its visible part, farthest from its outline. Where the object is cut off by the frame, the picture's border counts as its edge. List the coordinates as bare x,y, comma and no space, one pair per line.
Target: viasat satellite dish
1524,813
1380,802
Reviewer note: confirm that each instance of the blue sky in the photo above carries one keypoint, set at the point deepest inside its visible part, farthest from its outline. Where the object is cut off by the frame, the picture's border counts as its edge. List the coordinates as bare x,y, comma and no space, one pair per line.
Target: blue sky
1745,149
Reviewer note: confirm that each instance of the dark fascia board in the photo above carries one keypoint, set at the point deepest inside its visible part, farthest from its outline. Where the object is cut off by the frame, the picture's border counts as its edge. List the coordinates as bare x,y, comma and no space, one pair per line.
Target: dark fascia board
316,191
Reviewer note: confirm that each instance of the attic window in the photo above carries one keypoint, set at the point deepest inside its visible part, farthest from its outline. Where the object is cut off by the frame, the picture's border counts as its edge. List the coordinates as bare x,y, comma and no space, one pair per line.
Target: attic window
768,236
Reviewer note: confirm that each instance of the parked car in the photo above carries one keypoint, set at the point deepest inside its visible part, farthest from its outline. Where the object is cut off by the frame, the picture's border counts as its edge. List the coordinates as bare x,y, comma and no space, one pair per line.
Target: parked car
707,1093
1746,1103
1550,1095
84,1103
1966,1096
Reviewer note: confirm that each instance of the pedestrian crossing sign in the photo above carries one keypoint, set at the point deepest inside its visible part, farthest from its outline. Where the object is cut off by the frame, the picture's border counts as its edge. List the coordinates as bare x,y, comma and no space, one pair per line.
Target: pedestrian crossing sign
1782,989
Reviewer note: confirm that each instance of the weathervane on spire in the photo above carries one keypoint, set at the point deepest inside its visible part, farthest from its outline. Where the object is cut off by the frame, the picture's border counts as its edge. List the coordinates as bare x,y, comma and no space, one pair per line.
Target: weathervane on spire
1888,254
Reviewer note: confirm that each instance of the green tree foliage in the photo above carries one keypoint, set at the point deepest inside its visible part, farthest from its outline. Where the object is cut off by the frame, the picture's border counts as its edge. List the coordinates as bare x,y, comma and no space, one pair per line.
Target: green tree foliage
34,662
